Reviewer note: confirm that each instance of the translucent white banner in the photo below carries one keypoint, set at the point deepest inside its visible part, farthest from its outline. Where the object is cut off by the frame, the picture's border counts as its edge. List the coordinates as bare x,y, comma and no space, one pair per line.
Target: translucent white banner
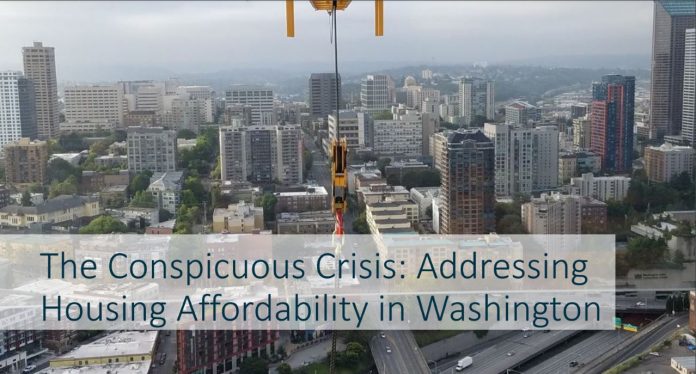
285,282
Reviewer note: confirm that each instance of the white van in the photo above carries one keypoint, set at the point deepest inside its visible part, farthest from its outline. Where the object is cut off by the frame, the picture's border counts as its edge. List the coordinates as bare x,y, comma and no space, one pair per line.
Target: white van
464,363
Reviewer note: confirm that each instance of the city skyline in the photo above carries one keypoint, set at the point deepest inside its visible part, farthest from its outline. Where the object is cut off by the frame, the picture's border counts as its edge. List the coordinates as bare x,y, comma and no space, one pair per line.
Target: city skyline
153,35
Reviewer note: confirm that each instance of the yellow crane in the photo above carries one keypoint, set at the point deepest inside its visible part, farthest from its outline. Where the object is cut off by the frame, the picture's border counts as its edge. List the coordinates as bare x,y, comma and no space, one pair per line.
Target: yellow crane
339,146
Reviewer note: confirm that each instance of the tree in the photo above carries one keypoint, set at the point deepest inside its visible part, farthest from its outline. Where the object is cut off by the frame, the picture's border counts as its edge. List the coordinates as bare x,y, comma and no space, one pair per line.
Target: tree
284,368
186,134
645,252
198,192
253,365
382,163
59,170
308,161
383,115
268,202
140,182
66,187
143,199
421,178
164,215
72,142
360,225
104,225
478,121
678,258
26,199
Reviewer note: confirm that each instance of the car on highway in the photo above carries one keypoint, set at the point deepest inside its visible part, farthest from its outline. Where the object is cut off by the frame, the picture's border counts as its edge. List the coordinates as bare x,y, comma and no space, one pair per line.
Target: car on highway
29,369
464,363
641,303
382,335
573,364
388,348
511,353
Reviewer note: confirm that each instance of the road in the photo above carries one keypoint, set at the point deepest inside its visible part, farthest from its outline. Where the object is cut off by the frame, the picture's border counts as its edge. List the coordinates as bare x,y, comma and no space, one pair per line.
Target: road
511,352
584,351
321,174
167,344
405,356
639,304
643,344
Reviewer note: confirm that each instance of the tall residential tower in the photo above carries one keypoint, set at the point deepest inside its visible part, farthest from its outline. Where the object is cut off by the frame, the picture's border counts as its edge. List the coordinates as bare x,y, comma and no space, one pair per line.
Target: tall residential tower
40,68
670,21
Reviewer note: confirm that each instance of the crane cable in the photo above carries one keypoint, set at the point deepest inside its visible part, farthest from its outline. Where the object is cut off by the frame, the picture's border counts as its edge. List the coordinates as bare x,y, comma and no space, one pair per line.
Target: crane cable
339,213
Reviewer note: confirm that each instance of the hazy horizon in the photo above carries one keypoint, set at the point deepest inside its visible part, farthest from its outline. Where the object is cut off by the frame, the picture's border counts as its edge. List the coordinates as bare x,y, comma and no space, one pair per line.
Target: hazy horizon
129,40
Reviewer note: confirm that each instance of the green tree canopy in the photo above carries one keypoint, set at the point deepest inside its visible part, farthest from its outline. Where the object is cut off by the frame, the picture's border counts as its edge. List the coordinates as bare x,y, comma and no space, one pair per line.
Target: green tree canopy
66,187
26,198
104,225
59,170
253,365
143,199
140,182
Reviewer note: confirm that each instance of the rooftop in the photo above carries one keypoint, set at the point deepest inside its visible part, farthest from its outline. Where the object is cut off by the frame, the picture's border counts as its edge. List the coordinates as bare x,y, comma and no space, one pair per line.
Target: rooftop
61,202
116,344
142,367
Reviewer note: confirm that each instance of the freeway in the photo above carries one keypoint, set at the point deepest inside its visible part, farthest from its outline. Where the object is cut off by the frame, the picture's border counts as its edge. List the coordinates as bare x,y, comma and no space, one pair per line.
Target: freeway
639,304
512,352
643,342
397,352
584,351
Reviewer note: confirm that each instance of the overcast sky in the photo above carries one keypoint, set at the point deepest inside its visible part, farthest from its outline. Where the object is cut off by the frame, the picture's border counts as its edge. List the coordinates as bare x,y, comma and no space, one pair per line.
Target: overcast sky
193,37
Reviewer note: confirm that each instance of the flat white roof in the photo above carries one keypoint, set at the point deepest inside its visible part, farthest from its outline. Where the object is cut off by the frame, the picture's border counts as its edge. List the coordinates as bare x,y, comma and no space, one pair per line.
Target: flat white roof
116,344
142,367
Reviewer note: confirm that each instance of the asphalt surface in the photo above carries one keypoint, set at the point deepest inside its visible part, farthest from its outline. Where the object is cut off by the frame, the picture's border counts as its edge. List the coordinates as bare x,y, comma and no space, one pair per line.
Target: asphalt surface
510,352
644,343
405,356
321,174
167,344
583,352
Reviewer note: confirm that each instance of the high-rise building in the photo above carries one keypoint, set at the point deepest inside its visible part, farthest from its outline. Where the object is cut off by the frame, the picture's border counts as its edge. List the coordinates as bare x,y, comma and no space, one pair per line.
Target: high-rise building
17,108
578,110
522,112
189,107
352,127
40,68
222,351
401,136
668,161
261,154
563,214
26,162
670,20
259,99
95,103
582,132
289,151
689,95
152,149
150,98
545,155
427,74
375,93
322,94
466,161
612,122
526,159
476,99
602,188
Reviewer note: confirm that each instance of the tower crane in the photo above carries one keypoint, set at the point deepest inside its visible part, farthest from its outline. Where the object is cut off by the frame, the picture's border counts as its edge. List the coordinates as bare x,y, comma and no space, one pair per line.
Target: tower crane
339,145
